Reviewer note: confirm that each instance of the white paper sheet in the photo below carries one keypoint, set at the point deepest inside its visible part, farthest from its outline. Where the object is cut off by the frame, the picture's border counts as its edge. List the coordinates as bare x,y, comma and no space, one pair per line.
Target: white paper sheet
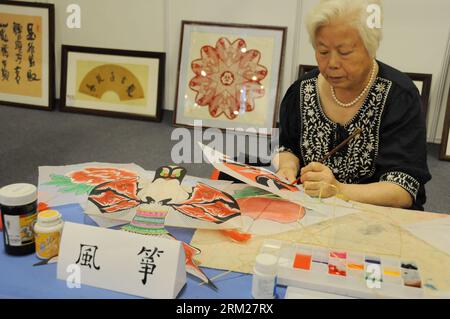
435,232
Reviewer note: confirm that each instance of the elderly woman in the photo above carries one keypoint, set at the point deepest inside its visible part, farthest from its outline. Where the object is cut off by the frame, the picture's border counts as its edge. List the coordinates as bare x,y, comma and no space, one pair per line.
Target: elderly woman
386,163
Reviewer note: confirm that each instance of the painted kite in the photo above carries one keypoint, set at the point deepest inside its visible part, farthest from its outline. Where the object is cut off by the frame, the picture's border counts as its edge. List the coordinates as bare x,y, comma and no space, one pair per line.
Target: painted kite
113,190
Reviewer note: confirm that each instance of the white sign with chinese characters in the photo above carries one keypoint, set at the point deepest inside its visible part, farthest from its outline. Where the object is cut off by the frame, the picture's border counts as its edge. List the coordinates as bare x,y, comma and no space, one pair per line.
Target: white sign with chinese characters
145,266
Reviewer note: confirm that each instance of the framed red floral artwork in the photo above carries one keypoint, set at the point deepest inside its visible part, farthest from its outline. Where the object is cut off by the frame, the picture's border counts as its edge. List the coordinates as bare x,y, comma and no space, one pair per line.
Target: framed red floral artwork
229,76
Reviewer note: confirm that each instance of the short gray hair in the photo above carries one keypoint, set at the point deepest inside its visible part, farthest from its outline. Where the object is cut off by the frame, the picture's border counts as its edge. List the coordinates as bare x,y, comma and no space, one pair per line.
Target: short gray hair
355,10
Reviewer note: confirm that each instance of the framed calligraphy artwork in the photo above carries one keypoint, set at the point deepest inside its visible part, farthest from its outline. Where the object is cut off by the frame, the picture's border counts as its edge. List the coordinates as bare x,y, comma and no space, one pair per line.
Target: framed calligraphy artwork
305,68
118,83
27,59
229,75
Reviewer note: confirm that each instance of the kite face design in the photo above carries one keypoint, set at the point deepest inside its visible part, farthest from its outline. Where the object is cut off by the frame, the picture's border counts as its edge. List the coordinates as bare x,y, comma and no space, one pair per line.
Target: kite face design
259,176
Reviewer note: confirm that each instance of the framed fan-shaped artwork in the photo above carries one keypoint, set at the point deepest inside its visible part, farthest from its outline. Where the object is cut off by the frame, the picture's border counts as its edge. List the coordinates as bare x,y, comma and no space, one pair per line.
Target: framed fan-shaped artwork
229,76
109,82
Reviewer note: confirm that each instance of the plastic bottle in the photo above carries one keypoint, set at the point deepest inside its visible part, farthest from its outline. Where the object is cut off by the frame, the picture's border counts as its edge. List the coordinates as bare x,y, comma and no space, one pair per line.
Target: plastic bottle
264,277
48,231
18,206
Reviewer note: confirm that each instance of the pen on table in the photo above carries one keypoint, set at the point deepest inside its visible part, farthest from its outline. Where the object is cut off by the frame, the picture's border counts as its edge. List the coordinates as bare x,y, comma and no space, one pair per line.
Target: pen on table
334,150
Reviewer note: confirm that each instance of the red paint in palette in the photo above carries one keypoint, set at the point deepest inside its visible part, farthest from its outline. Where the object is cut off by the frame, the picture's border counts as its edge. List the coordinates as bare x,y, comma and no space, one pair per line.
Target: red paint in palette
337,263
302,262
338,254
335,270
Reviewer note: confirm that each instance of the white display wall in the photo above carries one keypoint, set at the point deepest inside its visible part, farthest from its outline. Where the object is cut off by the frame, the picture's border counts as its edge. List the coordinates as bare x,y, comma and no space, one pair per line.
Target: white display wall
415,34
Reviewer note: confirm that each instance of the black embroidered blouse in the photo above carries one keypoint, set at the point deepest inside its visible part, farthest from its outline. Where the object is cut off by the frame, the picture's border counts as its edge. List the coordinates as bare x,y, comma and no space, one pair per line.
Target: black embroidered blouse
391,148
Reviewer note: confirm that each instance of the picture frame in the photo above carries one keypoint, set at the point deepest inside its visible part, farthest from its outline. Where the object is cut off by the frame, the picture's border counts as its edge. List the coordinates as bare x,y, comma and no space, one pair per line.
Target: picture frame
423,83
445,140
112,82
229,76
421,80
305,68
27,54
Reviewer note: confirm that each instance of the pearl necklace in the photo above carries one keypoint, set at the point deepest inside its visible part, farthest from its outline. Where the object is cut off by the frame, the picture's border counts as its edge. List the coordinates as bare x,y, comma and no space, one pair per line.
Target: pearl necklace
369,84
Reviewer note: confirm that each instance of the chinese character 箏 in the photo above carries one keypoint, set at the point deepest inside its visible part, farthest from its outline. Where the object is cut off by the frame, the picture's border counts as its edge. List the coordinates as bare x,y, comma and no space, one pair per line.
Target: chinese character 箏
87,256
148,264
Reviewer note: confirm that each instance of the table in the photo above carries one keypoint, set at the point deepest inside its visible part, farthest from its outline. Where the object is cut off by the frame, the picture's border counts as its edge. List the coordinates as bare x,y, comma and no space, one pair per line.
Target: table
20,279
371,230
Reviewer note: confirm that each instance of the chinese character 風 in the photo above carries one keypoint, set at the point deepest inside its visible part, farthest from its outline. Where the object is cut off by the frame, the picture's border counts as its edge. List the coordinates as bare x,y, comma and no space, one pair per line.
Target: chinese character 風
87,256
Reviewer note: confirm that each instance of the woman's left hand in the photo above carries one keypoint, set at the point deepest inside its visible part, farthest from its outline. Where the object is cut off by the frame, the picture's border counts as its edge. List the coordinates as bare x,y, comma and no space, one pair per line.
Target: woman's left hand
318,180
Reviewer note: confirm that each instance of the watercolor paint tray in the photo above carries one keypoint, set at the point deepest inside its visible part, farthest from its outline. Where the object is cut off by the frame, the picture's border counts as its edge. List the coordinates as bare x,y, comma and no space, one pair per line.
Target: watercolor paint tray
346,273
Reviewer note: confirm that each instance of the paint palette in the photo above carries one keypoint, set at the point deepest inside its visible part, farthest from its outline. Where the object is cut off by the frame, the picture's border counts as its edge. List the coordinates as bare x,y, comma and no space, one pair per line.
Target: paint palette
343,272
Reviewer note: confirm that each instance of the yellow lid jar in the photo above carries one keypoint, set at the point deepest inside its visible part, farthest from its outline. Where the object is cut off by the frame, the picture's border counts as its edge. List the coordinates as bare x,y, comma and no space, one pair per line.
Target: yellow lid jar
48,231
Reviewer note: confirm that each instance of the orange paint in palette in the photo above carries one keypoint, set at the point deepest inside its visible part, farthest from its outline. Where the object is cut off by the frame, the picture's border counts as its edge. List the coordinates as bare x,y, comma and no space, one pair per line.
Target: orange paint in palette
344,272
355,267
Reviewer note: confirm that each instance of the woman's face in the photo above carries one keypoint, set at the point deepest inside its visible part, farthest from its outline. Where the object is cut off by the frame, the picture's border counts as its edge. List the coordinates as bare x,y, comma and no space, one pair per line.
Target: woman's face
342,57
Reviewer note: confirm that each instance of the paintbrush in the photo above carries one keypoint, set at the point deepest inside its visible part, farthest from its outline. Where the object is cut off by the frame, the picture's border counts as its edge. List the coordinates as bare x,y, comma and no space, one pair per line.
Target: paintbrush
334,150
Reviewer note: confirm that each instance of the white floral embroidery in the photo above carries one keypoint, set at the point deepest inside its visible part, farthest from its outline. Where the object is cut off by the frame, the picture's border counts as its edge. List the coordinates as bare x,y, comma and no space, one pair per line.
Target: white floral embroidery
357,161
404,180
309,88
380,87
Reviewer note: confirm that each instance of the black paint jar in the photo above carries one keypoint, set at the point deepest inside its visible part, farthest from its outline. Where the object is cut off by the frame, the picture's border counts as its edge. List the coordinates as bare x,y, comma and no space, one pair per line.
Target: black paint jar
18,206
